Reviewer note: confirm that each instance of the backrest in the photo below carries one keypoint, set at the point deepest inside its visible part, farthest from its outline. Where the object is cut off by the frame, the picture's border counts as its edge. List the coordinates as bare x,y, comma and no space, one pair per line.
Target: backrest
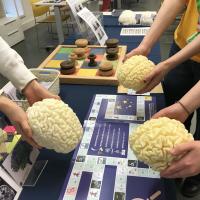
38,10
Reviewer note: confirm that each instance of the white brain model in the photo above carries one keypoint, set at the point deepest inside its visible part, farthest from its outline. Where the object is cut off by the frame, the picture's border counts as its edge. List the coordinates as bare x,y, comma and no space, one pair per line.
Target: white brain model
133,71
127,17
152,141
54,125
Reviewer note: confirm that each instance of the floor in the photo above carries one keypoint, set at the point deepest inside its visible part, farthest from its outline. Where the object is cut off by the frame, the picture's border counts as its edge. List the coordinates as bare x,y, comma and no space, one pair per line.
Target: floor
34,53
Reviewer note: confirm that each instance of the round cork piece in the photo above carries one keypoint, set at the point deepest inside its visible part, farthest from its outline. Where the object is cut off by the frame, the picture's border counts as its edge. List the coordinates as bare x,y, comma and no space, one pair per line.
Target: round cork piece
112,43
112,51
68,64
106,66
82,43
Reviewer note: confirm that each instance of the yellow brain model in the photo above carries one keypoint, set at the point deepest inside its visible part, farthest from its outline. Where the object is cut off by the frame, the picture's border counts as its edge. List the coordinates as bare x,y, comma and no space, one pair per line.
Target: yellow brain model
54,125
152,141
132,73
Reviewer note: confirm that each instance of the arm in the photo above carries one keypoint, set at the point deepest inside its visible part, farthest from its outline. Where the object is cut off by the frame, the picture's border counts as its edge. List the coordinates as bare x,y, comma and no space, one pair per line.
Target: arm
155,77
190,102
13,68
166,15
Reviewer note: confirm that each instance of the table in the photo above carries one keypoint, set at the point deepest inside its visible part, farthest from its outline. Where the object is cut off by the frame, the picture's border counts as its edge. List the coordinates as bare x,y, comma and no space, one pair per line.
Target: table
50,183
58,18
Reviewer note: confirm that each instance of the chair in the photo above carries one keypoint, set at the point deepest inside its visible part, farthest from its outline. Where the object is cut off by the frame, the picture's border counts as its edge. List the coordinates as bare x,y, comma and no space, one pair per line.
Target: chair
42,14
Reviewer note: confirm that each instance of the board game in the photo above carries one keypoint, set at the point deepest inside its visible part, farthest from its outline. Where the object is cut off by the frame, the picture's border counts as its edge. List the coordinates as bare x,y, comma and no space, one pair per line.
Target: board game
84,74
104,167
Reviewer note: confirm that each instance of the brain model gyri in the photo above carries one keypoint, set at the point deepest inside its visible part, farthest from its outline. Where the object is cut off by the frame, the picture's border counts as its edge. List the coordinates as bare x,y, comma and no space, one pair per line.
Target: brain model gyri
152,141
132,73
54,125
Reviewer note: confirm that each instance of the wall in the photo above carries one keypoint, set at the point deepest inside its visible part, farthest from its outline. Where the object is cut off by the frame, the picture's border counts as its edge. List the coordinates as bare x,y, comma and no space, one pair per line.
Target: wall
27,21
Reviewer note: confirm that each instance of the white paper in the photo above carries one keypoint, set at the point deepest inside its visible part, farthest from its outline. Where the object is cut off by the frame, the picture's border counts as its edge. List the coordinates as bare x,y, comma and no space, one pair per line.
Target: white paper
75,7
94,24
8,188
21,175
133,92
134,31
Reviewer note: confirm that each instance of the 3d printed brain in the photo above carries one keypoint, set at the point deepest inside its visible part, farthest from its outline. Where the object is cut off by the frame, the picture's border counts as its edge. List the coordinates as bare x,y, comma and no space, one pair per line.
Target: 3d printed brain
152,141
54,125
132,73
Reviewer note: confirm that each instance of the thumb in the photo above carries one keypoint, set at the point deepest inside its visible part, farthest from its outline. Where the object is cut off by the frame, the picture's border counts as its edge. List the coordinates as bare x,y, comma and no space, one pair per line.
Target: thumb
182,148
149,77
25,128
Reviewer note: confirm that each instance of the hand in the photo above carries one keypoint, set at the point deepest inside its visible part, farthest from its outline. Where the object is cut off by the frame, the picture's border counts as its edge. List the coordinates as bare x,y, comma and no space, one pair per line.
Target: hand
140,50
35,92
174,111
19,118
188,165
154,78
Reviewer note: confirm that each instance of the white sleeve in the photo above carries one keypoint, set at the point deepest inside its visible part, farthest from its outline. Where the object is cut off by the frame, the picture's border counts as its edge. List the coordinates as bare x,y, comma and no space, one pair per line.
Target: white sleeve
12,66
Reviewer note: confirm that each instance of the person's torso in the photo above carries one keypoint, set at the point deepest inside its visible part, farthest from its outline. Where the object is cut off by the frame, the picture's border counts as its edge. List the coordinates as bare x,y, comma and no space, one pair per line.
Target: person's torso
188,26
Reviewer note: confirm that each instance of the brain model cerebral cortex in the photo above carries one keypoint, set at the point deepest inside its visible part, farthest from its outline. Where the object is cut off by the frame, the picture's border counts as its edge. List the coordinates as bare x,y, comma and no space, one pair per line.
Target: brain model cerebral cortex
127,17
131,74
152,141
55,125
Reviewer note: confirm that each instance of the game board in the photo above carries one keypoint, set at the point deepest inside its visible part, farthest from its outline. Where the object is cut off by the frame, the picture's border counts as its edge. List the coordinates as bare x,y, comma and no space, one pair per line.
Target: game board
84,74
104,167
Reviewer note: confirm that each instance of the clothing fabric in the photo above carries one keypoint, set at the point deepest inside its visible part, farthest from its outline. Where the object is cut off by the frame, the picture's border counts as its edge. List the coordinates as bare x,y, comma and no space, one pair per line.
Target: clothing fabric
12,66
179,81
188,26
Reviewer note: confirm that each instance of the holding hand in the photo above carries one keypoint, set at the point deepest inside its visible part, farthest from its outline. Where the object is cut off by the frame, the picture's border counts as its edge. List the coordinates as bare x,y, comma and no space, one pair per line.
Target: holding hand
188,165
140,50
174,111
155,77
19,117
35,92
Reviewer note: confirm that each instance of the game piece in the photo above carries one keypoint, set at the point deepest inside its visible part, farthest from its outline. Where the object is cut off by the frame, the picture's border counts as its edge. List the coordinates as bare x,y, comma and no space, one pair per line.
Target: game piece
74,57
112,43
92,62
81,43
112,53
67,67
80,52
106,69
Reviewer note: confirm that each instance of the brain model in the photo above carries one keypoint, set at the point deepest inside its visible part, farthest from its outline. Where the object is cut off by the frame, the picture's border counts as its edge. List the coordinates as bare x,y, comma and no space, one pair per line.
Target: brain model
133,71
127,17
152,141
54,125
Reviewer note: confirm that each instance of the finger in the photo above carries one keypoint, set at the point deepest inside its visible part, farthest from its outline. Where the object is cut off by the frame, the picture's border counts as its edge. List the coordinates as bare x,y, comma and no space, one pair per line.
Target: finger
147,88
27,133
158,114
198,27
182,148
184,173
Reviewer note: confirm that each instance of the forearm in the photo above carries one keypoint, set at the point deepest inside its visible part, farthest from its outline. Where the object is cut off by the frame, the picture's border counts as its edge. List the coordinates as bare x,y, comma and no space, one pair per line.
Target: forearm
191,100
12,66
166,15
184,54
5,104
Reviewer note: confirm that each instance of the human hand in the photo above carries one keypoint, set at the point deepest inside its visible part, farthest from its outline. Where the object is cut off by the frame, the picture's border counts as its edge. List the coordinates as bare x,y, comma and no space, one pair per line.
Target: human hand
19,118
35,92
140,50
188,165
175,111
155,77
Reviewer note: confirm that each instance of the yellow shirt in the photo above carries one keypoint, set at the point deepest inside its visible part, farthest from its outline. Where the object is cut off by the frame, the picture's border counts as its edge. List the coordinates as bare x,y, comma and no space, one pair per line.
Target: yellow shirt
187,26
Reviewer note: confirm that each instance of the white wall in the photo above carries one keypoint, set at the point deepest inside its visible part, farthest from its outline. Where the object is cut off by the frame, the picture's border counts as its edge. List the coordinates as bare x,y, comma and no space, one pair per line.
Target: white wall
27,21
